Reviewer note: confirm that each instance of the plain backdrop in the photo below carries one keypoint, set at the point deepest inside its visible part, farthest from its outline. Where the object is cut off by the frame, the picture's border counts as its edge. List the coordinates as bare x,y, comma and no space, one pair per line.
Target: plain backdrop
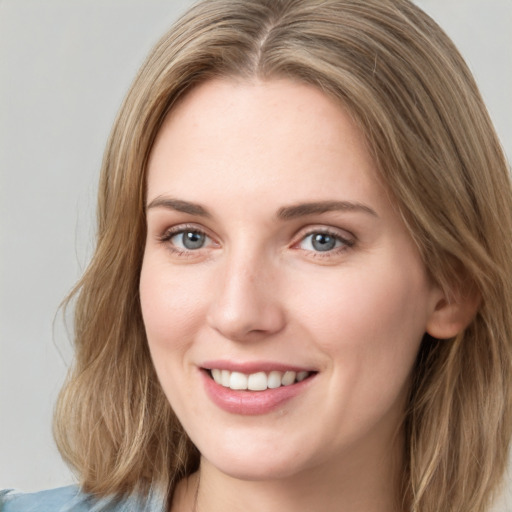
65,66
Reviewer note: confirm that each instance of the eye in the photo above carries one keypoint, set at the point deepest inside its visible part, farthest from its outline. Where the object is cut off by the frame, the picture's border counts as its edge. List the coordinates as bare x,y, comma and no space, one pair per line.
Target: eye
324,241
183,239
189,240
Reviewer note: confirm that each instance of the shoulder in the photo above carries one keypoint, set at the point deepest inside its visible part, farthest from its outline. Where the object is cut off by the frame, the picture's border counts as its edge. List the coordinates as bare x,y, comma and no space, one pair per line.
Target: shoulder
54,500
71,499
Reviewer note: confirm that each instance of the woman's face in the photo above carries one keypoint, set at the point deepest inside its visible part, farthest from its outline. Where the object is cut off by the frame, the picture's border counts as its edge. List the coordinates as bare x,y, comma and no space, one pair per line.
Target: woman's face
275,259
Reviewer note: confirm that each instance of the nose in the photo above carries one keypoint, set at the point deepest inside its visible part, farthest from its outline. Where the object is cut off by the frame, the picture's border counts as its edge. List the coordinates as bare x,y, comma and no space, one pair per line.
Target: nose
245,305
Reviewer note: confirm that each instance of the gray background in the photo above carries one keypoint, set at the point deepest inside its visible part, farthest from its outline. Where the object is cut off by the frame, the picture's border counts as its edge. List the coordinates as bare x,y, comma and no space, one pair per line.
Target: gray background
65,66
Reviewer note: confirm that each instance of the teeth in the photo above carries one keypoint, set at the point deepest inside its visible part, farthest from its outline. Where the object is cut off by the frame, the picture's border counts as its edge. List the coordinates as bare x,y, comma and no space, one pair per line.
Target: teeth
301,376
288,378
225,374
257,381
238,381
274,380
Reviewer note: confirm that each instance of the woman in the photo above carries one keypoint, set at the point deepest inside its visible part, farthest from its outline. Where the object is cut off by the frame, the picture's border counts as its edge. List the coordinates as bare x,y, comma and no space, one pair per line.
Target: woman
300,296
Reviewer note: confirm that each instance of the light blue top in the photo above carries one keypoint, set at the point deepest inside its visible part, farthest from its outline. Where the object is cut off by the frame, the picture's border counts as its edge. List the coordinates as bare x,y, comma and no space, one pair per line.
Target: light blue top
71,499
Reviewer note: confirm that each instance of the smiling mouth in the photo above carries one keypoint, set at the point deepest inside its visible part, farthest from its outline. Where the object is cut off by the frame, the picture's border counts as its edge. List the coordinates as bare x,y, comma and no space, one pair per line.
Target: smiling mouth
259,381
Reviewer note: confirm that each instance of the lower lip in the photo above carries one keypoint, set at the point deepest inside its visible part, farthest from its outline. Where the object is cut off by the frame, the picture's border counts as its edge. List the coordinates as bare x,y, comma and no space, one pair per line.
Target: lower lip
251,402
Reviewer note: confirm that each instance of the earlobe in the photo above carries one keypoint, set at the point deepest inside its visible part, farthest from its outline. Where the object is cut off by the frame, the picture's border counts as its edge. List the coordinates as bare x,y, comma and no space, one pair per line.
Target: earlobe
451,316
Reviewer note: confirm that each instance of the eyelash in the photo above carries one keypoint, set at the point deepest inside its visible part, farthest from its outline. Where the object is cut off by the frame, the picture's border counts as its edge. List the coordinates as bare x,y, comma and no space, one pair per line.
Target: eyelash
181,229
346,243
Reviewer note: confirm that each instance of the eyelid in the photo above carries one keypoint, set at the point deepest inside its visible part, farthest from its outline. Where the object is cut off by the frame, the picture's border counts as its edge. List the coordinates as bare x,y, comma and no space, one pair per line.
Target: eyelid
171,232
347,238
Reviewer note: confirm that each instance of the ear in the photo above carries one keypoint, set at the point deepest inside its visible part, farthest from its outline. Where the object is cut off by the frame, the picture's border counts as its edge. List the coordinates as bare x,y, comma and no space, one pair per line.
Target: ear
453,313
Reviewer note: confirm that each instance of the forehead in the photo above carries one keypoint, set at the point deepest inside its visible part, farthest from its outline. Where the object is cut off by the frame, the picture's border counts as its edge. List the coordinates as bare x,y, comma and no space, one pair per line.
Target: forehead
278,104
228,136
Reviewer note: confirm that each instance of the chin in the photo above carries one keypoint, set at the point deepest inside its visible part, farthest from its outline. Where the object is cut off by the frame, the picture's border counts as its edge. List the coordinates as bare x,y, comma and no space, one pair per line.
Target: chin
255,470
256,461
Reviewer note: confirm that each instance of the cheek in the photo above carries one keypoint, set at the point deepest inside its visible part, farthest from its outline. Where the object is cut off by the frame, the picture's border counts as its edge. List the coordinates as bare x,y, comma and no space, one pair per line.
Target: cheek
370,324
170,307
171,303
367,305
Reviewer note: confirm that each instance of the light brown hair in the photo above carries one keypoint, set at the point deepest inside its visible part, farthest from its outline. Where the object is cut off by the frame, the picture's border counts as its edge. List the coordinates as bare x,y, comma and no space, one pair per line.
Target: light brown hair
412,95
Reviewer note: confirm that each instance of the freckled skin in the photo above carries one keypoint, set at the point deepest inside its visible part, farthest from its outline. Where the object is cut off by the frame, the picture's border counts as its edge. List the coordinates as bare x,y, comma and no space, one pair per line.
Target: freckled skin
258,290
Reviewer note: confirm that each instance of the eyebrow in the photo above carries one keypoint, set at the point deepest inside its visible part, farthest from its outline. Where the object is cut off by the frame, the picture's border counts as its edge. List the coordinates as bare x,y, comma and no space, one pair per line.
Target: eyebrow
178,205
304,209
284,213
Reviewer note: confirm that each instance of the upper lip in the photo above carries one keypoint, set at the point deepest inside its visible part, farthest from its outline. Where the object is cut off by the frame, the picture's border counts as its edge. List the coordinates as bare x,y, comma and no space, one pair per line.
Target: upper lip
249,367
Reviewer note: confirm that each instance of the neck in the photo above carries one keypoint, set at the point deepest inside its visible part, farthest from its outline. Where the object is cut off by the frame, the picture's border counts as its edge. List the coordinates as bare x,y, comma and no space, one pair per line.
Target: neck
358,484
